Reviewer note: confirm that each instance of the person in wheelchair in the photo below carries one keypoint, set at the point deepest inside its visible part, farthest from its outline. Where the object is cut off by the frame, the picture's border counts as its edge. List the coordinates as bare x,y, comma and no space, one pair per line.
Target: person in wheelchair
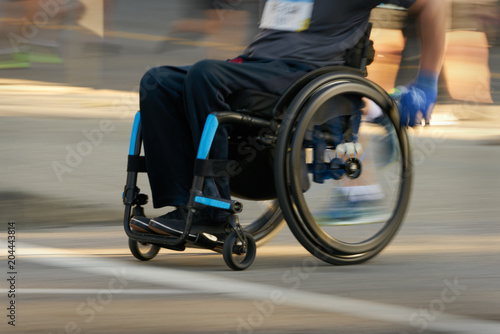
296,38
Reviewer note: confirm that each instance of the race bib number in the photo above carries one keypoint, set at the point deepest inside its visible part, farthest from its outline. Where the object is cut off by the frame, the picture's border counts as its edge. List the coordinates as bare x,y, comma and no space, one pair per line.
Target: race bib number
288,15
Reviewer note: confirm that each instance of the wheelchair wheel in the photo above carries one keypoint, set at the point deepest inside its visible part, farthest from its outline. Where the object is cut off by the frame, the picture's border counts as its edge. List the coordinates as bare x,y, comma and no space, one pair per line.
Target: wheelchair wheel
344,191
239,255
141,251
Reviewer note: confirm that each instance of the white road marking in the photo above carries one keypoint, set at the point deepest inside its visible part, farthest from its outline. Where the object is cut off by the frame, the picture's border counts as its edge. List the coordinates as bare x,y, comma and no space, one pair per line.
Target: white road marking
202,282
141,292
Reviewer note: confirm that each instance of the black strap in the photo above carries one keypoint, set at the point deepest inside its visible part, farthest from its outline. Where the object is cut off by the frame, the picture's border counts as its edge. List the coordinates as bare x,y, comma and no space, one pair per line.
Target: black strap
363,53
136,163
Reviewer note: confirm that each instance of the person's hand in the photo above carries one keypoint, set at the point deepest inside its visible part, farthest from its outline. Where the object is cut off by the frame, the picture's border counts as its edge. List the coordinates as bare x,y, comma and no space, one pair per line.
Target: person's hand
417,101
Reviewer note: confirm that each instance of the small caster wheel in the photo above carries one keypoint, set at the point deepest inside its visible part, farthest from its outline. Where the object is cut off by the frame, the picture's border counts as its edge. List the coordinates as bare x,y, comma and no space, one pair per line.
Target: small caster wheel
239,255
142,251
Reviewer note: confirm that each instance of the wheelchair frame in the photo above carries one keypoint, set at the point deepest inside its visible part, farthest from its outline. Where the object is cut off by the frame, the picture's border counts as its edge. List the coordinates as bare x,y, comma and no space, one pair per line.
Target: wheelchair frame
293,109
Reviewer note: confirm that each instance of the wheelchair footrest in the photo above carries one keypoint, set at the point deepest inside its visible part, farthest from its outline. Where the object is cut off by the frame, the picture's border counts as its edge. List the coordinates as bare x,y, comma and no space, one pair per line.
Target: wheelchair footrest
164,241
198,240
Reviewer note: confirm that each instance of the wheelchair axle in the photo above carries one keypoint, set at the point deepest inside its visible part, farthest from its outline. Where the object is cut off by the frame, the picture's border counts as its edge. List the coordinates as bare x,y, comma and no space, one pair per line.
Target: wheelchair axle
353,168
336,169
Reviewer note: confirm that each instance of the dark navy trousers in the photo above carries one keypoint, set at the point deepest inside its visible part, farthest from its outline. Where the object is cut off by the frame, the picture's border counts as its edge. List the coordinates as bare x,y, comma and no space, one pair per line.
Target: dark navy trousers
174,104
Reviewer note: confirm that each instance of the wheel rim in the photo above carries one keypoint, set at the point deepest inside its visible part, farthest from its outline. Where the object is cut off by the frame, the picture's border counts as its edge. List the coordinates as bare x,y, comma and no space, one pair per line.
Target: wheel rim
301,209
335,219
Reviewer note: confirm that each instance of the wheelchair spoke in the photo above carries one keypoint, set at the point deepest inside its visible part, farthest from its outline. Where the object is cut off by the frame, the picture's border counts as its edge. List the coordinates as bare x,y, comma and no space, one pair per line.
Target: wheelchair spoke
342,209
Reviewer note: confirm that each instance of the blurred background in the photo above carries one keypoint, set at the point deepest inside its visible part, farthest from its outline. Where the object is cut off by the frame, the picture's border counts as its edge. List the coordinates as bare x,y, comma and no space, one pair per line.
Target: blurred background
84,59
69,75
86,42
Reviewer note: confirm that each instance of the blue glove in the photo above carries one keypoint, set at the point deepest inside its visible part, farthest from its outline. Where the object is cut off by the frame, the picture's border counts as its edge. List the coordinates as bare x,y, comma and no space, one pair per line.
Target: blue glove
416,101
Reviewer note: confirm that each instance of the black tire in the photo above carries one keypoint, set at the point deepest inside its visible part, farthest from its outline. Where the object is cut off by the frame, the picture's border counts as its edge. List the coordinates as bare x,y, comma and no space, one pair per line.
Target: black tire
303,223
231,251
143,252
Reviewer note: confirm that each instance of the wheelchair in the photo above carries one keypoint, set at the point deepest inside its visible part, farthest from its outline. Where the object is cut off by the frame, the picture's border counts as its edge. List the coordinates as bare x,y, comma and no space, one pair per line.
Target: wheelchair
339,179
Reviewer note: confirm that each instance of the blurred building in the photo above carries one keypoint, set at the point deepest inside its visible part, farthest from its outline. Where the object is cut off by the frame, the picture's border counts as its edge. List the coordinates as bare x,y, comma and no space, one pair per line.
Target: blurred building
472,58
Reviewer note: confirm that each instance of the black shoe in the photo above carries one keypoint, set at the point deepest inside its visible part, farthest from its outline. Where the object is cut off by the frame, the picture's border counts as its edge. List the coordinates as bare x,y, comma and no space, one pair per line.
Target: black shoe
173,223
140,224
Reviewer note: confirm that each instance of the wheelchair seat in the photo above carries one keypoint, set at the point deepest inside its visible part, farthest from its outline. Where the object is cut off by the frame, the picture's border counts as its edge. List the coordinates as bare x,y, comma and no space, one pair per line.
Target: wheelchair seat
255,179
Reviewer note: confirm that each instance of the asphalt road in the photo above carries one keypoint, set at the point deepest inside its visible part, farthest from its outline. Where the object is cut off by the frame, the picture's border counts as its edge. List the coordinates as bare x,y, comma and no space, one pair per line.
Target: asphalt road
74,273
